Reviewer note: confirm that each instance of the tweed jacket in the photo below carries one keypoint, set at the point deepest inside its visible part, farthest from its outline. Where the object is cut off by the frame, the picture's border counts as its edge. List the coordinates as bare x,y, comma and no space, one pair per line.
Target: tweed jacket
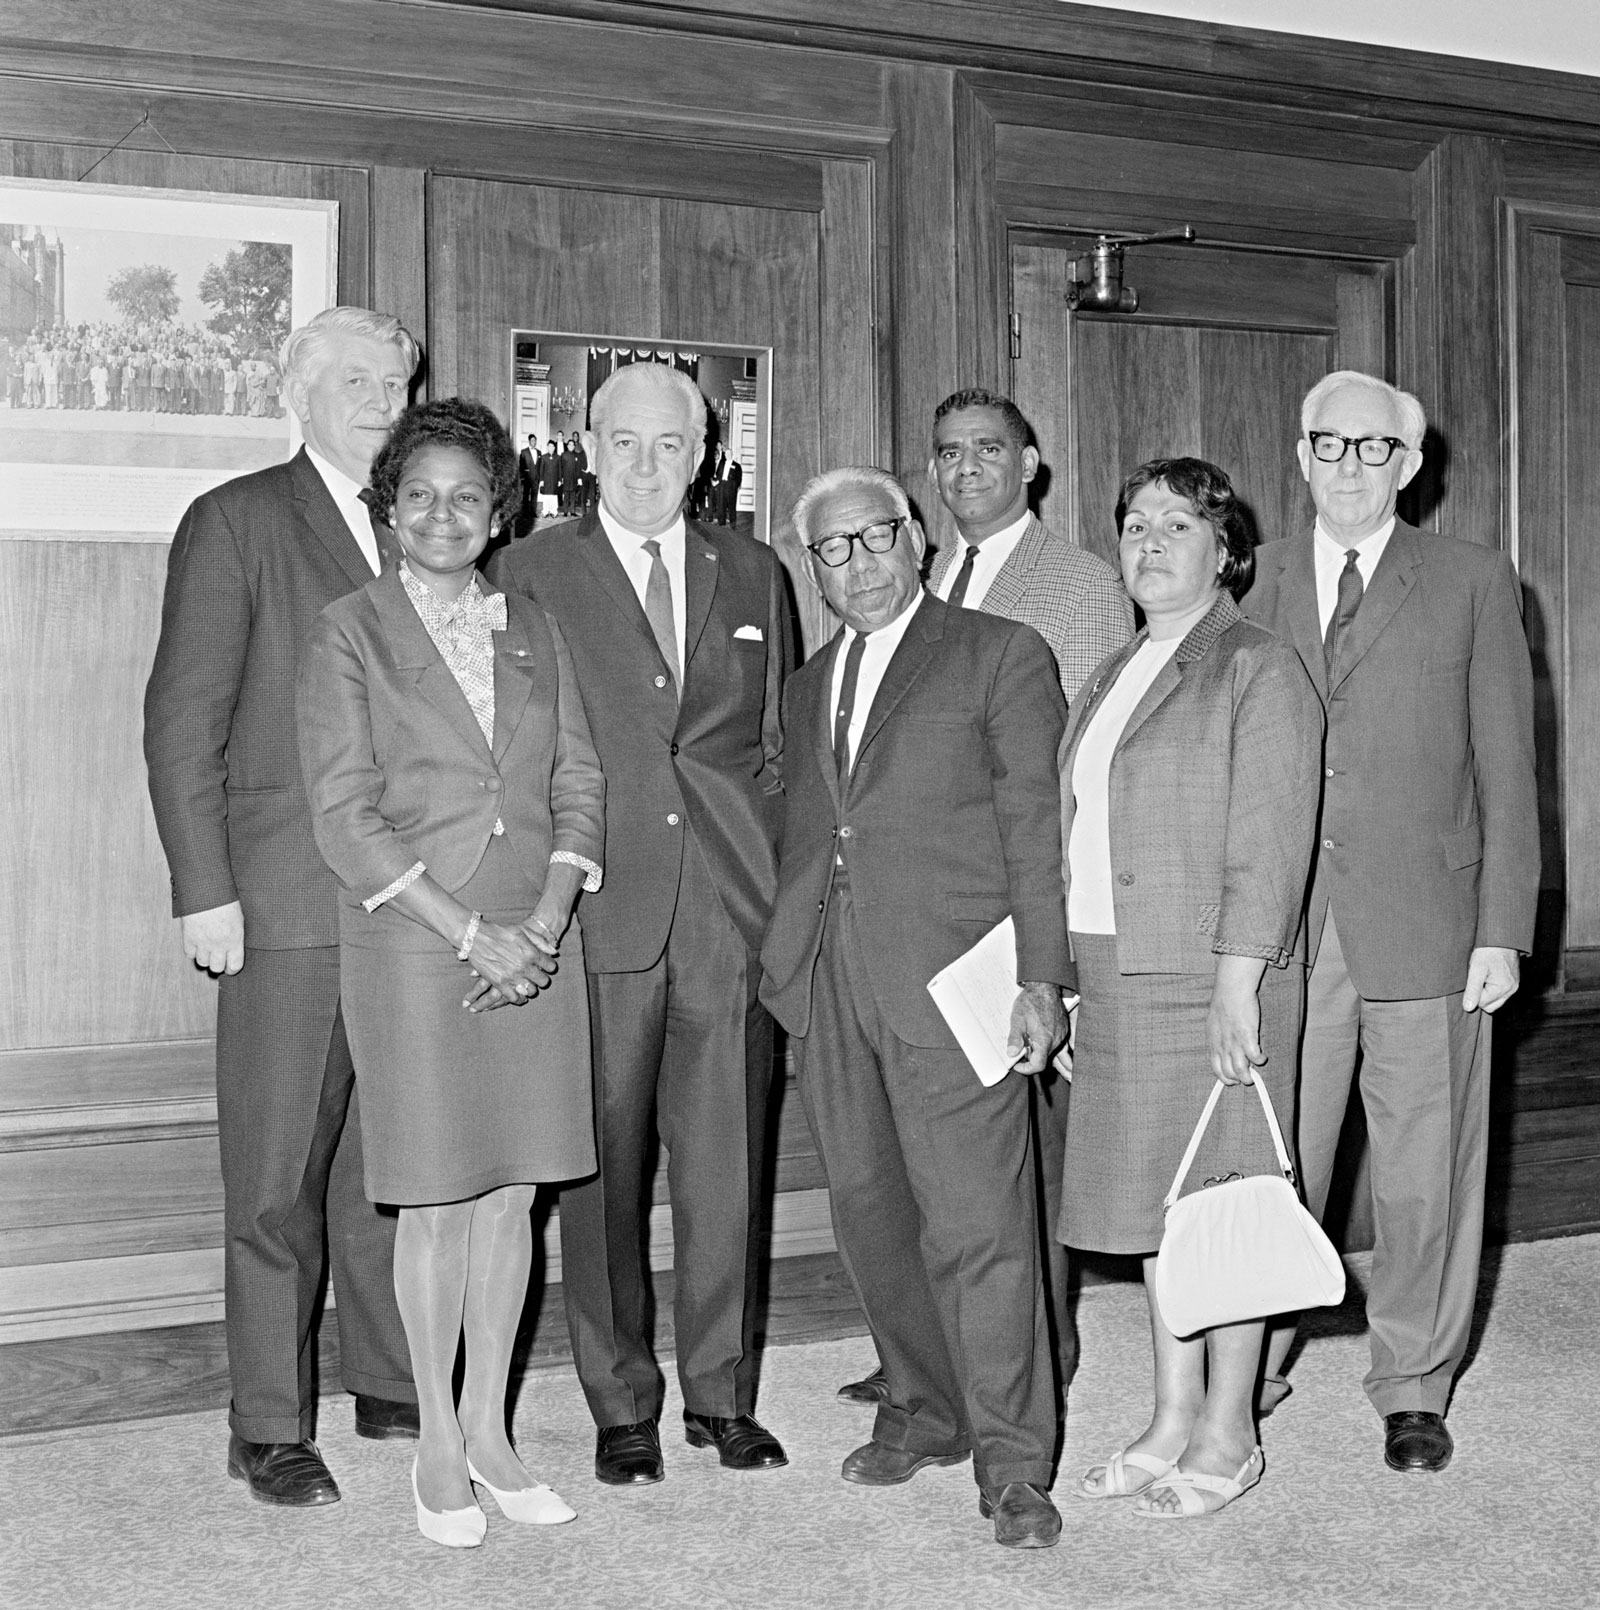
1214,786
1429,842
948,822
1072,598
253,564
712,760
397,767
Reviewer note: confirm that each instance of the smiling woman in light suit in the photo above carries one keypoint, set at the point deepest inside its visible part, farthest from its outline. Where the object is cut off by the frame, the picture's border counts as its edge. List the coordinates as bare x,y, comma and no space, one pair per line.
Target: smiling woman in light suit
1190,774
456,794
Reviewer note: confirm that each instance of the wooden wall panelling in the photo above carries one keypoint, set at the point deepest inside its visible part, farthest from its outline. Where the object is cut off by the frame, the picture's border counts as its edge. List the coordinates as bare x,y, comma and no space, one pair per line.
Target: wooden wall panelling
1454,363
1145,390
1147,112
399,251
674,161
504,256
85,899
1536,409
542,72
752,276
1582,499
1066,179
983,344
1364,306
918,106
853,407
1041,383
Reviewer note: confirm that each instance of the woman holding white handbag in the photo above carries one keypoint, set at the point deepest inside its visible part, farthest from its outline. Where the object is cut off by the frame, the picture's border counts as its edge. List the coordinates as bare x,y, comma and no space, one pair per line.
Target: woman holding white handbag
1190,782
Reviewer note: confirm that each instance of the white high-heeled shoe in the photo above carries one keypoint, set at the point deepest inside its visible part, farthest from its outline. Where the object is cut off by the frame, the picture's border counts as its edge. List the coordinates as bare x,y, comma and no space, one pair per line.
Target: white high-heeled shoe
455,1528
533,1506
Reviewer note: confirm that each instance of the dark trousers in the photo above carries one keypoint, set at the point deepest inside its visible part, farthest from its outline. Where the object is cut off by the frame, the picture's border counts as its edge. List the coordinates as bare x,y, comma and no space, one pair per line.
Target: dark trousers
1051,1095
293,1198
685,1047
933,1190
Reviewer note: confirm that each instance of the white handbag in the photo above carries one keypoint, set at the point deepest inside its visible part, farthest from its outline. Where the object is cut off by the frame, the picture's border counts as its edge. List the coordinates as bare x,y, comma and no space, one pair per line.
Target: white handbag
1241,1248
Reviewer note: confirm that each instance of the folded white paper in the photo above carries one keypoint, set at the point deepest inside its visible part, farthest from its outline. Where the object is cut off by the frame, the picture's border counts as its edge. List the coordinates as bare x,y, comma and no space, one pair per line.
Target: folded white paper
750,634
975,994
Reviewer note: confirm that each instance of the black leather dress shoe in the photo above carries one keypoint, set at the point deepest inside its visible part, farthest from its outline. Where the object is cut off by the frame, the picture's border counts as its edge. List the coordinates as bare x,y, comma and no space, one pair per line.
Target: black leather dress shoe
876,1464
869,1392
1416,1439
383,1419
743,1443
1024,1517
629,1455
289,1473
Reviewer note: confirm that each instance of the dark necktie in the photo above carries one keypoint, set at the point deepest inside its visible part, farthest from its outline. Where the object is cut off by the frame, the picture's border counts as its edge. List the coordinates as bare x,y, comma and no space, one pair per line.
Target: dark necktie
1344,609
381,534
847,705
658,611
958,593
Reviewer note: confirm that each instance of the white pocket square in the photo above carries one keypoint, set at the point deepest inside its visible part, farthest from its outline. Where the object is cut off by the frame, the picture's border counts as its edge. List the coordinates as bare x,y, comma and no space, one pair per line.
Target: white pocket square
751,634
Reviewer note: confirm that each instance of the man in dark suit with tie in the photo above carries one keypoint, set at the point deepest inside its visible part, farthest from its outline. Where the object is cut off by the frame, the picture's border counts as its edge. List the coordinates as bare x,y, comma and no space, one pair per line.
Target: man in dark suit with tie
923,809
252,565
681,643
1008,562
1426,876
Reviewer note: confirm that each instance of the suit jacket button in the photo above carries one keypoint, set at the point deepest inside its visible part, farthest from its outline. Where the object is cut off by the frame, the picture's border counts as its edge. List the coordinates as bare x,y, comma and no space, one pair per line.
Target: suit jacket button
661,681
822,905
845,832
672,820
1125,879
492,784
673,749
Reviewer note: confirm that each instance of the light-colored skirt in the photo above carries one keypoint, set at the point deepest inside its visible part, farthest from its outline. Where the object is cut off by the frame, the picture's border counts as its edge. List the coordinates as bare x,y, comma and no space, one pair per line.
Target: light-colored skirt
1141,1075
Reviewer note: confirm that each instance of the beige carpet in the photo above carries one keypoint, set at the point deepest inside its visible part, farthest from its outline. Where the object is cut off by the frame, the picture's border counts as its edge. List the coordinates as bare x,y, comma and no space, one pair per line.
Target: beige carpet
143,1516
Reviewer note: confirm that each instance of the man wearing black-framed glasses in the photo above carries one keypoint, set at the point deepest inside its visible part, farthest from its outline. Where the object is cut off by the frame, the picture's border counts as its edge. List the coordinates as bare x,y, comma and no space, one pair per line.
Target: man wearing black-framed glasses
919,773
1425,880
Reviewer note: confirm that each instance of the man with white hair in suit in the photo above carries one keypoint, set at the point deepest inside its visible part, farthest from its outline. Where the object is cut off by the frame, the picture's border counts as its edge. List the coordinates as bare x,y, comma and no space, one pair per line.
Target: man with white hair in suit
1009,562
1425,882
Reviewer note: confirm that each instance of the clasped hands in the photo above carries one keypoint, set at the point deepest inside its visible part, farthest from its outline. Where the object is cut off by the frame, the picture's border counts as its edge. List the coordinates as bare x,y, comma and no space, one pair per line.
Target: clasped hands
511,964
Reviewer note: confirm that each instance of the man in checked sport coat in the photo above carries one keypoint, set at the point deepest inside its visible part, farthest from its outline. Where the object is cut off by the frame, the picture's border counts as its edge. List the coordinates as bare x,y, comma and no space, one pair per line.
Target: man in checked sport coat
681,642
1426,877
252,566
982,465
923,809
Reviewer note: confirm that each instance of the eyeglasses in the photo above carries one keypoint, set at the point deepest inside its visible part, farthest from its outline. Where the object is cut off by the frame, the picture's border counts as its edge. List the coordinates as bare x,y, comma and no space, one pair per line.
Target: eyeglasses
879,537
1330,447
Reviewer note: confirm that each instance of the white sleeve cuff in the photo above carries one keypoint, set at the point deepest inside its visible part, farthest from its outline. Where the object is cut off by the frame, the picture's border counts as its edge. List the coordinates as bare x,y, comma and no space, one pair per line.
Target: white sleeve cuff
592,874
404,881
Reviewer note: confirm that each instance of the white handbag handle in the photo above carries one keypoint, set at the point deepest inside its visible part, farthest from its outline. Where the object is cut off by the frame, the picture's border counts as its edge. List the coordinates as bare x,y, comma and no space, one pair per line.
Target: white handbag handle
1200,1129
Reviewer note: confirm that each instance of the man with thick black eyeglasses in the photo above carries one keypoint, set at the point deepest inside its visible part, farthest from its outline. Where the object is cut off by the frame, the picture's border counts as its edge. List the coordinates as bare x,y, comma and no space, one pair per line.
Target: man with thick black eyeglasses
920,772
1425,880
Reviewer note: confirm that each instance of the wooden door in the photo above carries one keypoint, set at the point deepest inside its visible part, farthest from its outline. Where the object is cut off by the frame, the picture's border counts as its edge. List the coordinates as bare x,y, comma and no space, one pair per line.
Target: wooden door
1214,365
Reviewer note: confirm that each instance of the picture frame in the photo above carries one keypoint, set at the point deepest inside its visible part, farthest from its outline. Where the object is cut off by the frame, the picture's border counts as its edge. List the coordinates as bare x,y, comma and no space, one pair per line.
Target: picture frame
555,374
106,290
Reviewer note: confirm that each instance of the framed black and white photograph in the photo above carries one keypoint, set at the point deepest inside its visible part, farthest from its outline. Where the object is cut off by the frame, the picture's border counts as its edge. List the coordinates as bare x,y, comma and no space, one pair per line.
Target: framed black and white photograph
139,339
555,376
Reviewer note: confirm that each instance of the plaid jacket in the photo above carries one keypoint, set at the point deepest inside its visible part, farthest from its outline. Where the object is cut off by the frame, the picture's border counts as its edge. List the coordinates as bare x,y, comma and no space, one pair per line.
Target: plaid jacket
1072,598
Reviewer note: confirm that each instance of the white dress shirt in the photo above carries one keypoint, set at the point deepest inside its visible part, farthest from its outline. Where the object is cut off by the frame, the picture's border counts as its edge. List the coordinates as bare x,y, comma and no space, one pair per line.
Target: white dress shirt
629,547
1330,552
1091,908
992,554
875,658
347,494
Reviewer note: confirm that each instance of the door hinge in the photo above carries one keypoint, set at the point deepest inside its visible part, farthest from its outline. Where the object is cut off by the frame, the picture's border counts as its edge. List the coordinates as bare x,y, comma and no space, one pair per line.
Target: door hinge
1016,335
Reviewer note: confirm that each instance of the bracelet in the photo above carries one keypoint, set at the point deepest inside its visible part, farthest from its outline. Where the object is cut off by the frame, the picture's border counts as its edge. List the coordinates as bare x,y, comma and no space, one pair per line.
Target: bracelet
470,935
